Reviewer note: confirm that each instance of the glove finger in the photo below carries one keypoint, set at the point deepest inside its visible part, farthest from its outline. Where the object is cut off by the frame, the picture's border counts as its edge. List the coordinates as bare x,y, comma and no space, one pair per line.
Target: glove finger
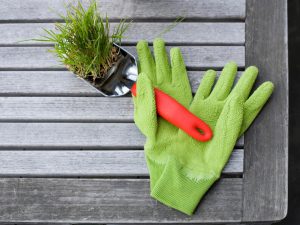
255,103
206,85
226,133
146,61
145,115
245,83
179,75
225,81
202,93
163,70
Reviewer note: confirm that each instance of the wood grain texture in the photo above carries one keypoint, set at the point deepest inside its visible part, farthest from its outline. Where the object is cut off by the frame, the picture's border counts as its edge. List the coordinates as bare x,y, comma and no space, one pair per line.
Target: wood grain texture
125,163
266,142
196,57
76,135
60,109
72,136
33,10
49,83
108,201
58,83
183,33
68,108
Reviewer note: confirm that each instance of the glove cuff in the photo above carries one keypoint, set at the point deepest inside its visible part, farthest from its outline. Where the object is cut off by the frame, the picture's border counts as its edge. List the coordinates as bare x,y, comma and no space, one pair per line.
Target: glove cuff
179,191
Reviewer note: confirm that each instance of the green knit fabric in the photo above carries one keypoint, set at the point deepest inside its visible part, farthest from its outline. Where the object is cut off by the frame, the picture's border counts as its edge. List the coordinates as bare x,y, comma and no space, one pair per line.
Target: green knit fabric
181,168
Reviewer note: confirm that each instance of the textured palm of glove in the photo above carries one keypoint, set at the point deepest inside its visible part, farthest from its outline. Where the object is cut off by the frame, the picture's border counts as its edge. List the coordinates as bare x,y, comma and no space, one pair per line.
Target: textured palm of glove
184,168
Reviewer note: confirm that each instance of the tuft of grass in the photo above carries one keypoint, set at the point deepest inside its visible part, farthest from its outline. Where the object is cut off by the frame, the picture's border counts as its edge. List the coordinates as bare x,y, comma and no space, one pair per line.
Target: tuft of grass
84,43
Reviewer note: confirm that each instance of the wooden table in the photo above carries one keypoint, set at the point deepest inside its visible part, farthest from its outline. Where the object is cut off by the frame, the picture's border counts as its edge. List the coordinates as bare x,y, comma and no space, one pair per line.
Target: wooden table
69,155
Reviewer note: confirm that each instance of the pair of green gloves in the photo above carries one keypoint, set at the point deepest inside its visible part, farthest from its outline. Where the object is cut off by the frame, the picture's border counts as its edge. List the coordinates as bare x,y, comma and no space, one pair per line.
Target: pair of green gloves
181,168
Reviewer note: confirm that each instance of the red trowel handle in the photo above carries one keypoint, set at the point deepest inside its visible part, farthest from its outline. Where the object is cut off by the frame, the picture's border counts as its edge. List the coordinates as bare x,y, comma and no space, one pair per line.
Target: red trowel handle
172,111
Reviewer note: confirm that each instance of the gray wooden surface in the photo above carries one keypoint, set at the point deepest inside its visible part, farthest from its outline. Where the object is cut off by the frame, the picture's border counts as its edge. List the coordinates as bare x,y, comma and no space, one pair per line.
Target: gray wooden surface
59,83
108,201
196,57
87,163
194,33
69,155
64,135
34,11
265,183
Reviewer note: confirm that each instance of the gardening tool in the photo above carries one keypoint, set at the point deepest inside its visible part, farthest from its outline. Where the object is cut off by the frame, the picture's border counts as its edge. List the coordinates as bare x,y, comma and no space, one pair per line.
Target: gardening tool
121,79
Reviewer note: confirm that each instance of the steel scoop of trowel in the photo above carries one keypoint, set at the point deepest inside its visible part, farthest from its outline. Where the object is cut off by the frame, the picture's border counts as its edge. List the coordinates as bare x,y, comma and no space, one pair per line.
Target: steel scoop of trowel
120,77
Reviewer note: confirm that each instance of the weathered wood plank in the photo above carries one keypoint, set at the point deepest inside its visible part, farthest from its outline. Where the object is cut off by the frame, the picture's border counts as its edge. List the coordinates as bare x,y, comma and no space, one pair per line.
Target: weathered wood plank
33,10
183,33
266,158
95,109
196,57
61,83
87,163
72,136
108,201
58,83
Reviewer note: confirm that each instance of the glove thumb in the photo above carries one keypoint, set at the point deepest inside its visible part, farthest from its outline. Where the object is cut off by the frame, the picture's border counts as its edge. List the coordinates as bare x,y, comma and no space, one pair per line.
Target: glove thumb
255,103
145,116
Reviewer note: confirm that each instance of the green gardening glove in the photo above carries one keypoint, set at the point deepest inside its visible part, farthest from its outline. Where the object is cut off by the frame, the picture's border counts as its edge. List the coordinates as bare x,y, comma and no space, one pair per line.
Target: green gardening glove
172,80
184,168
